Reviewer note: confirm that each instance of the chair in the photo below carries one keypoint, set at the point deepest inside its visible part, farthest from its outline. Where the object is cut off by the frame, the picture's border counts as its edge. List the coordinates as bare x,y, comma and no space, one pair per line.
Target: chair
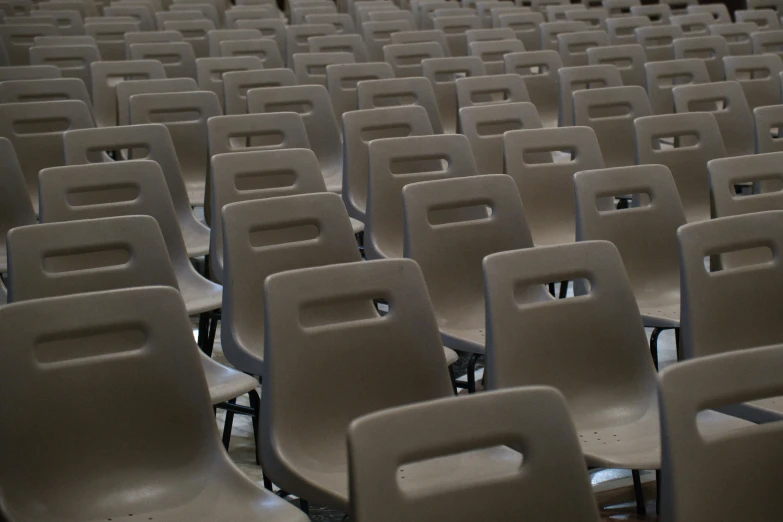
139,12
109,37
210,71
768,42
373,94
645,235
377,488
237,83
492,53
620,8
574,46
726,101
558,13
483,90
629,60
167,378
546,187
35,129
709,382
272,28
454,29
310,68
189,135
550,31
419,158
663,76
341,80
297,35
768,122
88,146
52,89
539,71
659,14
710,49
405,59
610,112
177,57
759,76
105,76
342,22
485,125
216,36
765,19
696,24
658,41
697,140
194,32
585,77
622,30
737,36
526,26
69,22
73,60
128,88
18,39
443,73
16,209
773,5
378,34
29,72
121,189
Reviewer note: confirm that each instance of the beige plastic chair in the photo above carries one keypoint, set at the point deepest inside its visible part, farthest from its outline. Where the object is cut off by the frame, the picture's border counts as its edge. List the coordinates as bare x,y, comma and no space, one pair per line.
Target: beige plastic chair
526,26
208,12
128,88
663,76
492,53
659,14
696,24
658,41
189,135
546,186
539,71
765,19
586,77
645,235
342,22
485,125
237,83
467,234
774,5
574,46
341,80
550,31
405,59
52,89
378,34
340,43
748,450
443,73
29,72
372,94
768,42
610,112
768,122
298,342
18,38
710,49
622,30
699,140
86,146
726,101
177,57
362,126
106,75
216,36
496,89
264,48
759,76
194,32
16,209
35,129
140,12
297,35
272,28
420,158
121,189
313,104
737,36
109,37
629,60
454,28
73,60
210,71
476,474
161,376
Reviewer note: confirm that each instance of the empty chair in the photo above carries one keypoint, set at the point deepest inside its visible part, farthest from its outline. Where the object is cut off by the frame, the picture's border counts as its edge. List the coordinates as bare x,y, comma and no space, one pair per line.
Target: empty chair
177,57
765,19
52,89
622,30
109,37
406,59
539,71
73,60
658,41
297,35
526,26
146,348
106,75
499,88
764,172
18,38
378,34
88,146
443,73
585,77
121,189
313,104
759,76
659,14
341,80
663,76
211,70
738,39
216,36
574,46
340,43
372,94
310,68
421,158
696,24
710,49
237,83
547,186
550,31
610,112
768,42
696,140
36,129
128,88
726,101
29,72
454,29
629,60
16,209
492,53
194,32
376,491
768,122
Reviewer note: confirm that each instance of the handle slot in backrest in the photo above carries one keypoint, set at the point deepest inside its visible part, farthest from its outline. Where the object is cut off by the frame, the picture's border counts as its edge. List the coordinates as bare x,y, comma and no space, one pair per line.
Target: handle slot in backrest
41,125
534,293
268,179
134,151
270,139
672,79
521,26
756,255
490,95
752,73
659,41
704,54
410,59
497,128
51,96
545,155
580,47
606,202
460,212
713,104
536,69
193,33
113,79
283,233
316,69
102,195
401,130
299,107
66,62
621,62
737,37
345,48
394,100
348,83
588,83
677,140
451,76
77,259
182,115
344,310
55,351
610,110
166,58
493,56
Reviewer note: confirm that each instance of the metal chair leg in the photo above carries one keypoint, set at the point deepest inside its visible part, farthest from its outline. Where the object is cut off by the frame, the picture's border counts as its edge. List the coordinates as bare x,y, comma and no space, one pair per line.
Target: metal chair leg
229,424
637,490
654,345
453,379
304,506
658,492
474,357
214,317
255,403
677,343
563,290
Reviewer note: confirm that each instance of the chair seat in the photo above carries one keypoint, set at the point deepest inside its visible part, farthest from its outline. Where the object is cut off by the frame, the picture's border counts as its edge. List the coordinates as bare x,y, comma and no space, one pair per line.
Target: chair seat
659,313
226,383
196,196
357,226
470,340
196,236
451,356
200,295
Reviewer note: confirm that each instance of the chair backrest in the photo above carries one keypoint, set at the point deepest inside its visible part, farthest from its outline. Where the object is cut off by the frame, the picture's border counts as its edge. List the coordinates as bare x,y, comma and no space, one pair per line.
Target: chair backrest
177,58
659,14
126,89
90,255
216,36
245,176
443,73
539,71
109,36
526,26
610,112
139,12
585,77
622,30
718,12
264,48
405,59
573,47
350,43
106,75
550,31
272,28
765,19
29,72
139,339
759,76
688,457
726,101
485,125
194,32
696,24
36,131
744,293
135,37
490,90
211,70
629,60
69,21
620,8
737,36
397,162
378,34
341,80
594,17
266,236
297,35
310,68
362,126
488,35
645,234
658,41
492,52
315,108
343,22
454,29
16,208
237,83
51,89
527,344
393,92
768,42
710,49
694,139
73,60
769,120
376,491
663,76
251,132
258,12
18,39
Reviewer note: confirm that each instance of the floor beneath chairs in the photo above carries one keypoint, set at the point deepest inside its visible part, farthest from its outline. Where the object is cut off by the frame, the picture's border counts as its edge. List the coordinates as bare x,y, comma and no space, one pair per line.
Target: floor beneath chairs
613,488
